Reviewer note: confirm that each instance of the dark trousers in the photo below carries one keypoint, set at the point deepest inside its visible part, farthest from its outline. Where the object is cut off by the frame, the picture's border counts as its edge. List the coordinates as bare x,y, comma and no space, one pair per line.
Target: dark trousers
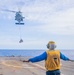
55,72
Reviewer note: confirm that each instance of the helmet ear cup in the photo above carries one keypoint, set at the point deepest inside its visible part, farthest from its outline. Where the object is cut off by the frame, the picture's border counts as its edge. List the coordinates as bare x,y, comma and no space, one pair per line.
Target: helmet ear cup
48,46
55,46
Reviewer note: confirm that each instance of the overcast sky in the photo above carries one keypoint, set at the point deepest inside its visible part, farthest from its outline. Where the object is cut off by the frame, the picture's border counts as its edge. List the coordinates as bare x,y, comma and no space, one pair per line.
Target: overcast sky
45,20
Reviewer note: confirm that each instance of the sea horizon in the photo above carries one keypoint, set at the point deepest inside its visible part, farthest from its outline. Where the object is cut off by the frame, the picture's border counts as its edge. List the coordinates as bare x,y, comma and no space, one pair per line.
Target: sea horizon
31,52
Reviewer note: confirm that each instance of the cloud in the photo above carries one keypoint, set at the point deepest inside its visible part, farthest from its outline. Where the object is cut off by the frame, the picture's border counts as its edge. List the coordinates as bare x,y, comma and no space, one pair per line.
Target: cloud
37,9
57,15
60,23
13,43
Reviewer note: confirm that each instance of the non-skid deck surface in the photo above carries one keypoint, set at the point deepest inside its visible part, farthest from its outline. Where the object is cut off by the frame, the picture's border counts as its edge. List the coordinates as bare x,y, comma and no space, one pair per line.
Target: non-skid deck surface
10,66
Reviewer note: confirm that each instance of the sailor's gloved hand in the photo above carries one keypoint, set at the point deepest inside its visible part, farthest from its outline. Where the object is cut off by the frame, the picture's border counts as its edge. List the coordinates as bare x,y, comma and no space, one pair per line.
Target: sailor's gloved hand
25,61
71,60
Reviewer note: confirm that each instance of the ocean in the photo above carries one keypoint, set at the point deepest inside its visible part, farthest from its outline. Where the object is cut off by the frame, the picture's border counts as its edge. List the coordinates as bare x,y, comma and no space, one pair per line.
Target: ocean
32,53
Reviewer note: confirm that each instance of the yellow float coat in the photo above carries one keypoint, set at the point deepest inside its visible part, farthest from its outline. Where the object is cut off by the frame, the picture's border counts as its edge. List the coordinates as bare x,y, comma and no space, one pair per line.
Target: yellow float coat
53,60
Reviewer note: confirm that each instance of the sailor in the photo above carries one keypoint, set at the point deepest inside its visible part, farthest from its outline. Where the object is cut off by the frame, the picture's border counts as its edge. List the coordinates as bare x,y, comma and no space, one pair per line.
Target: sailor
52,59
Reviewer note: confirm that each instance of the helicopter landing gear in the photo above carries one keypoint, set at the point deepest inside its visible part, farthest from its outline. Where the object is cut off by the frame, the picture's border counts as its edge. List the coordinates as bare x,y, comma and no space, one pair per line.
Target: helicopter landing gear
19,23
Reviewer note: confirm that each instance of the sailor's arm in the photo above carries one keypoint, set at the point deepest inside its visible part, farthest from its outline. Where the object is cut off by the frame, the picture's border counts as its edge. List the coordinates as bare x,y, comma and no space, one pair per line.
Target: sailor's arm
37,58
62,56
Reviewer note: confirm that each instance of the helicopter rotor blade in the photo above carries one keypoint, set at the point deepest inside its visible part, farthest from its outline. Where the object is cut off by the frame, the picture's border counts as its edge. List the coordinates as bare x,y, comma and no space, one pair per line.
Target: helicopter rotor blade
9,10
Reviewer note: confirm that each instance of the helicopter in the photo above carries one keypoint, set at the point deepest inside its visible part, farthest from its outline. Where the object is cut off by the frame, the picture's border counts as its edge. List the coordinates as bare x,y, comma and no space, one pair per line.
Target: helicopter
19,18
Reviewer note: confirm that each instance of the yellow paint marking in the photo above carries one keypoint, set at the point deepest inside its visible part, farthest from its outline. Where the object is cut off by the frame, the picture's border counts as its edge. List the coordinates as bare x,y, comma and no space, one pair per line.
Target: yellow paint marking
15,64
11,65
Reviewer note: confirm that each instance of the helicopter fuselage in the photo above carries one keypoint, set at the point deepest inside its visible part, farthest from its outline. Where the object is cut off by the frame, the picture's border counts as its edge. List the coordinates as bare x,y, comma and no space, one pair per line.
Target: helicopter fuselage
19,17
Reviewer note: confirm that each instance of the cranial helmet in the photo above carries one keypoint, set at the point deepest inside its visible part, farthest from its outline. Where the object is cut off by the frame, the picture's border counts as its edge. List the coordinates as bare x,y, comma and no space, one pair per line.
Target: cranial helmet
51,45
